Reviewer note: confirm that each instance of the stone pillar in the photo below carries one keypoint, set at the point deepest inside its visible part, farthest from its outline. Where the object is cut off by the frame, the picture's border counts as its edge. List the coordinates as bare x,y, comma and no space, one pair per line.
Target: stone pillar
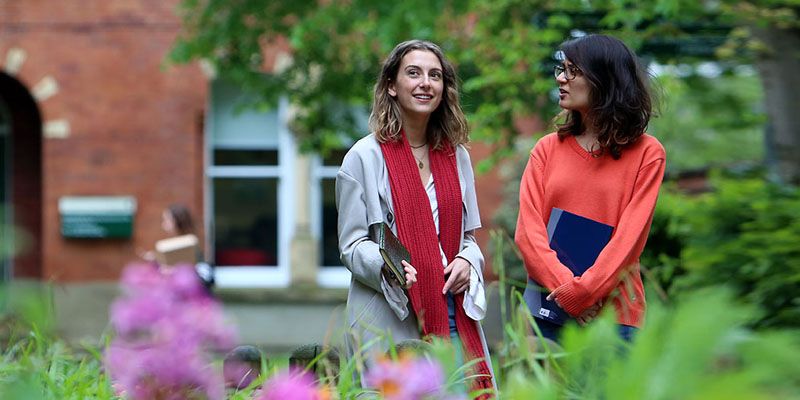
304,247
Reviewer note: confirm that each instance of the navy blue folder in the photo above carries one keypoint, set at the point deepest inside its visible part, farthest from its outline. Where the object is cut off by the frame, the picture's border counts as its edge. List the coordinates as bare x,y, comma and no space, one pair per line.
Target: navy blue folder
577,241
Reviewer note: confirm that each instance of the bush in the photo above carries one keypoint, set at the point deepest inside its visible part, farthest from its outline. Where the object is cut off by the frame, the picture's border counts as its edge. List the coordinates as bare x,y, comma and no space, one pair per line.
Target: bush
681,354
745,234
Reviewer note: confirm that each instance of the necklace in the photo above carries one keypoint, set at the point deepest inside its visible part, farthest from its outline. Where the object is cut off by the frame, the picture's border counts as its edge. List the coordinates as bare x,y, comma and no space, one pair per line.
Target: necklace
417,147
421,165
592,148
596,153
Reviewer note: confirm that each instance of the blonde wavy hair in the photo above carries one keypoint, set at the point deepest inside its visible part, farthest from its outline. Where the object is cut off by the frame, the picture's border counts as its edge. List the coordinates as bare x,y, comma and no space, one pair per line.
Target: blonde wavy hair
446,122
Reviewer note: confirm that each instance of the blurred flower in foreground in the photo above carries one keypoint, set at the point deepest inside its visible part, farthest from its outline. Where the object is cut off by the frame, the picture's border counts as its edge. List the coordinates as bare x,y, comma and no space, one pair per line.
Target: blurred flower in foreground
166,324
293,385
406,379
241,367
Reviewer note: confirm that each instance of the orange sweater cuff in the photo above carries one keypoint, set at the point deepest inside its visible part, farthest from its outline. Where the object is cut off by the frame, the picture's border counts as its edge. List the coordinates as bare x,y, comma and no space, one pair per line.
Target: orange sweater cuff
572,298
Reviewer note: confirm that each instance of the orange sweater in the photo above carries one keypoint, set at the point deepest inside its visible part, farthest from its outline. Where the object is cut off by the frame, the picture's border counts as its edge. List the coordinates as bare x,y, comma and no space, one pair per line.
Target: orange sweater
621,193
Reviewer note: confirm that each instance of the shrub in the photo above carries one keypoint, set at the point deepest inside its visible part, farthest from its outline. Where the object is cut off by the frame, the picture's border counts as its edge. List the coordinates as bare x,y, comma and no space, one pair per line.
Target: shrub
745,234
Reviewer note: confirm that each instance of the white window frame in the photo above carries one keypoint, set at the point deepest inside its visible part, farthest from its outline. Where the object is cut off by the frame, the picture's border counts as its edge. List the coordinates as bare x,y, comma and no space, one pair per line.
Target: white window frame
255,276
328,276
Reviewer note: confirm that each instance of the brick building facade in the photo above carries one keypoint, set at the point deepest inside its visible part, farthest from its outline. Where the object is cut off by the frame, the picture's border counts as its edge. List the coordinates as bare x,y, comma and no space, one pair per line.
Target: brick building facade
102,117
88,108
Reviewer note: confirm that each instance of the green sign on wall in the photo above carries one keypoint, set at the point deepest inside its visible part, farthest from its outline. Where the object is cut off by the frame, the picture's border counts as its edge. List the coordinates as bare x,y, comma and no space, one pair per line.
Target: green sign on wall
97,217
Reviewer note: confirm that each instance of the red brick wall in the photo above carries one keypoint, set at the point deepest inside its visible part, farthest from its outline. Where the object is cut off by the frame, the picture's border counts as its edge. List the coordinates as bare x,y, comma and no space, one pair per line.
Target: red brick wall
134,124
489,187
491,190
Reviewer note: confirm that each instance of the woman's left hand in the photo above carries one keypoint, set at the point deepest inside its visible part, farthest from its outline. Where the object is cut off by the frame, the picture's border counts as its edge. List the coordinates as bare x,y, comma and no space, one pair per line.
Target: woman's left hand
458,281
553,296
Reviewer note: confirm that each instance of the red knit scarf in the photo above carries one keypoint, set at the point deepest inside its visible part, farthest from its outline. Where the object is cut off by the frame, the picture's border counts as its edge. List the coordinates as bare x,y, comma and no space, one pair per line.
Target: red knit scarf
417,231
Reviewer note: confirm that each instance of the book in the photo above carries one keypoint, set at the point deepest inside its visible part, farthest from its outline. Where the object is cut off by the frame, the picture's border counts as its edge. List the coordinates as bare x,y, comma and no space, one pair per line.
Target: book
177,250
392,250
577,241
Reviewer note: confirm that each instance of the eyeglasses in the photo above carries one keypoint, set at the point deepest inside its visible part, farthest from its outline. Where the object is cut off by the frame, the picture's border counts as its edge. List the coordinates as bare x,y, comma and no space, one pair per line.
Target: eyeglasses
570,71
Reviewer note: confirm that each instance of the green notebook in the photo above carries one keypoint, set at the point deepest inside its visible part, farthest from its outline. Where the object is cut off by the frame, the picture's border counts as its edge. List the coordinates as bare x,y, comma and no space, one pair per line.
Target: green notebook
392,250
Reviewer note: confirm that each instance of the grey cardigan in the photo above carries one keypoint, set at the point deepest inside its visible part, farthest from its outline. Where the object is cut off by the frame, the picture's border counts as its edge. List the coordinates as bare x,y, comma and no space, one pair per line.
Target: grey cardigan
364,197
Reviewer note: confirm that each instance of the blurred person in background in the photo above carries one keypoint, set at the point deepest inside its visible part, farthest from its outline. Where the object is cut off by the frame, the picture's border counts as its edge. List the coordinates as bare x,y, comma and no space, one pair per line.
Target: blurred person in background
176,220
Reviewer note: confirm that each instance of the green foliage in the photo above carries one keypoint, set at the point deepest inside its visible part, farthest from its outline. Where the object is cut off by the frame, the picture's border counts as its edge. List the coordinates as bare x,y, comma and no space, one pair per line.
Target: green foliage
336,50
744,234
25,305
782,14
13,240
50,370
681,353
34,365
709,121
503,50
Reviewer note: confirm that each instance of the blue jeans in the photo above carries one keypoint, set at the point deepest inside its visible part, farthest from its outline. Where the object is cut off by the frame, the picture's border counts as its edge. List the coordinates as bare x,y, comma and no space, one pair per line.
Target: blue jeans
451,314
553,331
456,341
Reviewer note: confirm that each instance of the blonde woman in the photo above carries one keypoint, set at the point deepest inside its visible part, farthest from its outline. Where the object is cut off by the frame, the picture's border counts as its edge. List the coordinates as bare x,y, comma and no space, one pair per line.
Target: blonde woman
414,173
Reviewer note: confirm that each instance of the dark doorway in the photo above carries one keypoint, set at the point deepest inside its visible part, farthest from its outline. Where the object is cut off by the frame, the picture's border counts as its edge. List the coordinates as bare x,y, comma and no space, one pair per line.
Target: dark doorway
21,178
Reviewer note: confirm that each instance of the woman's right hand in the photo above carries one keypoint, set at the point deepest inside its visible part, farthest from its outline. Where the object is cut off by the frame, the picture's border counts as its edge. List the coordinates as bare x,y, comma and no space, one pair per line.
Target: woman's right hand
148,256
411,274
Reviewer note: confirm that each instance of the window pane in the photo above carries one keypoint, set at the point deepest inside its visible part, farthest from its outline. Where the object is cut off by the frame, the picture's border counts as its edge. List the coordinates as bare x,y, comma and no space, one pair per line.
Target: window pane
246,221
245,157
330,239
334,158
235,125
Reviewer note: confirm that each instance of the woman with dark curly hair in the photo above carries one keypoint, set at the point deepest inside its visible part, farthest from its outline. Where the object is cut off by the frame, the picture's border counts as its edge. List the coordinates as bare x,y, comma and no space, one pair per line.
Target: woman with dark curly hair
599,164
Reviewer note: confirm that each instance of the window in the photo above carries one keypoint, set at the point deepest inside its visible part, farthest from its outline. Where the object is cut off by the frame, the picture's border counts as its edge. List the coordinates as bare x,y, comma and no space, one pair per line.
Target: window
329,239
332,273
248,183
246,221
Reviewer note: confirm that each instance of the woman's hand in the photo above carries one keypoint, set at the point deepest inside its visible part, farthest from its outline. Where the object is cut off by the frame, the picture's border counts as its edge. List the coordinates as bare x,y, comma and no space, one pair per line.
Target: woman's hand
589,314
148,256
411,274
458,281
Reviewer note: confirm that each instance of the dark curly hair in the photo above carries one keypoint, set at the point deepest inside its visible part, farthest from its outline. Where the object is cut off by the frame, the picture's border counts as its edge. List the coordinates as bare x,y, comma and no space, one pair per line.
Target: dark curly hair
621,104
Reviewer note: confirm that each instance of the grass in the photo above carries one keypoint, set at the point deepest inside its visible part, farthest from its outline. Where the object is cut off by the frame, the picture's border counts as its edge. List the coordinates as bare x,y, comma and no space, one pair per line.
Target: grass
700,347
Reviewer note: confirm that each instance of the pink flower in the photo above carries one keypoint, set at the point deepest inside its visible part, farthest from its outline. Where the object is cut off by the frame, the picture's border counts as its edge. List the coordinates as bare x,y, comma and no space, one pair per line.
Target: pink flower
292,385
165,325
140,277
163,371
136,314
184,282
406,379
